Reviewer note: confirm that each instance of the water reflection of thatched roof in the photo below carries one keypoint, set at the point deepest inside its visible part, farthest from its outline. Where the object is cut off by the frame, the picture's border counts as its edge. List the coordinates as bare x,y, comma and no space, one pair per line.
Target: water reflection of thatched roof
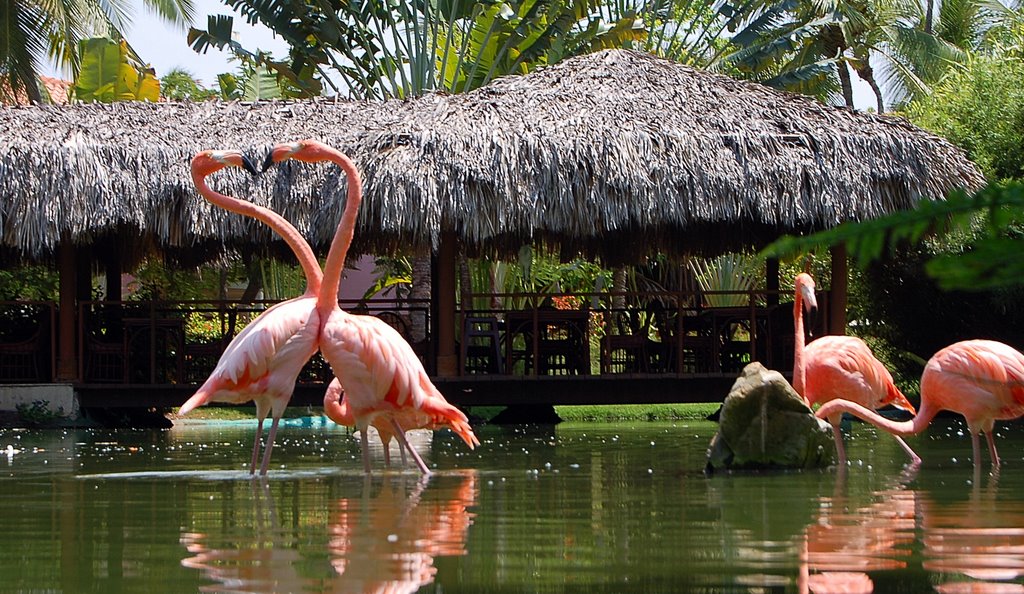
612,153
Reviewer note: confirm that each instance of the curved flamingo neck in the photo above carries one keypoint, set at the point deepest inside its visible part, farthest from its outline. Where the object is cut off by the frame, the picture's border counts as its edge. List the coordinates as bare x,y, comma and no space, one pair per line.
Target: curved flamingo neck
799,371
901,428
328,298
279,224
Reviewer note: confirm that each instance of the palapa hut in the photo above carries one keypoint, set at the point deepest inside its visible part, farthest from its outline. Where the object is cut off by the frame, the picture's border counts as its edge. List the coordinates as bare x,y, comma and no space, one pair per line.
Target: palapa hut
614,154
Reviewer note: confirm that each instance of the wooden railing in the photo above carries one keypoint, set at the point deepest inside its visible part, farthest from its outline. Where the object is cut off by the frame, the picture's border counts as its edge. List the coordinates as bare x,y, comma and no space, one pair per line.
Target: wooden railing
179,342
27,341
671,332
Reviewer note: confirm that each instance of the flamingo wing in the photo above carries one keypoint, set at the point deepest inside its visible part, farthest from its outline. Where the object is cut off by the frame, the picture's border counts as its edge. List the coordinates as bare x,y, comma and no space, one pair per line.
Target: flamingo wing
375,364
844,367
265,357
982,379
382,375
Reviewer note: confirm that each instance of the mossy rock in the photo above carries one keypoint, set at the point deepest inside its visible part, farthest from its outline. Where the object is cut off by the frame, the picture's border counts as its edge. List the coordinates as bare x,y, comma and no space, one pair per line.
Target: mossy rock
765,424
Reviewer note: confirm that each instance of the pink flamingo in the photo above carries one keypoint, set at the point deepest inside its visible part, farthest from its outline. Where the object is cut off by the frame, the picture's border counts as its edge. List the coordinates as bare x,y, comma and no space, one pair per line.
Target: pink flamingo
264,360
381,374
337,409
834,366
983,380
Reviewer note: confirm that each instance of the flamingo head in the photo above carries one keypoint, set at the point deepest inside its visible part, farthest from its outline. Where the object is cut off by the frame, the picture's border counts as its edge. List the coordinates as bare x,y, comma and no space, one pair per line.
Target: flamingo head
209,161
805,289
336,405
309,151
897,399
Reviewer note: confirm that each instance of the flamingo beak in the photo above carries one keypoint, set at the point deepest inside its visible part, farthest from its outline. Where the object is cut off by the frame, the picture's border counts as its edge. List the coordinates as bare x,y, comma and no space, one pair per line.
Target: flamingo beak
812,319
269,160
248,165
281,152
810,306
900,401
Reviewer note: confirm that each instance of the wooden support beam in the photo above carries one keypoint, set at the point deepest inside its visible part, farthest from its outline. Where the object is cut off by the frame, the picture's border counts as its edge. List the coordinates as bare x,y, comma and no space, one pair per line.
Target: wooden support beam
838,297
67,353
771,273
444,291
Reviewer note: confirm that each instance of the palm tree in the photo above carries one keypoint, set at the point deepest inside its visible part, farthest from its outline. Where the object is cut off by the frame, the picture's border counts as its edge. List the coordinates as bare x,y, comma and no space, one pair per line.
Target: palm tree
409,47
34,32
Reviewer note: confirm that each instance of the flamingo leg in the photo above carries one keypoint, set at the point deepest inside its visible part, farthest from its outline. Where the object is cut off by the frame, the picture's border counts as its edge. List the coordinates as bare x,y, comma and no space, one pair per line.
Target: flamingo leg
976,447
405,444
387,453
270,446
837,434
401,452
992,448
914,458
364,441
256,447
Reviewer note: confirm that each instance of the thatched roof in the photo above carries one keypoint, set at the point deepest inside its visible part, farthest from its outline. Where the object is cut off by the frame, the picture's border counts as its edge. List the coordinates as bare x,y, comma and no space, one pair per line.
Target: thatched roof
615,154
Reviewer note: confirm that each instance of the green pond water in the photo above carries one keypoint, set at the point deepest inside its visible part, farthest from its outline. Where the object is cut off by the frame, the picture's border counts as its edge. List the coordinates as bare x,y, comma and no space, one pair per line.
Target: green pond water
577,507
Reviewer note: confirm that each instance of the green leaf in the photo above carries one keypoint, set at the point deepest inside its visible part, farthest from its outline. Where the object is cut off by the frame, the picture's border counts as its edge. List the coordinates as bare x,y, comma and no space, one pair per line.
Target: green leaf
108,75
994,261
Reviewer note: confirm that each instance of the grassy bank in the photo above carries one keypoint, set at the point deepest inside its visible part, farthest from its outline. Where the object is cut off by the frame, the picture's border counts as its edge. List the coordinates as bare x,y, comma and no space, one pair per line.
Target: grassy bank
595,414
637,412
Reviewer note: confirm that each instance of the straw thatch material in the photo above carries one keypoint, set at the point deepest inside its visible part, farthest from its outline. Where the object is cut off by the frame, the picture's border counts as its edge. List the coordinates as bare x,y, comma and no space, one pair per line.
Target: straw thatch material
613,154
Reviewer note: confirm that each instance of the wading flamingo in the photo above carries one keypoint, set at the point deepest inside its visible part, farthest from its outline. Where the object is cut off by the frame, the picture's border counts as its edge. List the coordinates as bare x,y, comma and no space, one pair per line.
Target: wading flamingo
264,360
382,377
983,380
337,409
839,367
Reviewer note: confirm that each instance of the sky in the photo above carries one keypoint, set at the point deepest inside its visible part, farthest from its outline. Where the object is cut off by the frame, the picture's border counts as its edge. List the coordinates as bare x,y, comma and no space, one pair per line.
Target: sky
166,48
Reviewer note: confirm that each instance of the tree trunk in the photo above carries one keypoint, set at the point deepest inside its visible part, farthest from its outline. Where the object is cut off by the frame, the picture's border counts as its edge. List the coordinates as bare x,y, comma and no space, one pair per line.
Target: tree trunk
847,84
465,283
867,74
255,285
834,40
619,286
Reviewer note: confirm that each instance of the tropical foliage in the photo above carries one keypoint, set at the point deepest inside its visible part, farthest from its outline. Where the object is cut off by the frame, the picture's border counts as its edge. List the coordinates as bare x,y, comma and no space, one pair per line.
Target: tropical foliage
980,106
406,48
34,32
989,255
727,278
181,85
110,74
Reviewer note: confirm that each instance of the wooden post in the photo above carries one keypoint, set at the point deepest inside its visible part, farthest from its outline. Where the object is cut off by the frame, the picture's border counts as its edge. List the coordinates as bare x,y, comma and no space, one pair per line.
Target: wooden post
771,273
444,294
112,277
838,297
67,361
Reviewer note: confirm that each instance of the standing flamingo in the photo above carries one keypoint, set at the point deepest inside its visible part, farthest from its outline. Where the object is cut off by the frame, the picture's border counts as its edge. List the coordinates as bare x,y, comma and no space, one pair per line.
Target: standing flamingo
264,360
840,367
381,374
337,409
983,380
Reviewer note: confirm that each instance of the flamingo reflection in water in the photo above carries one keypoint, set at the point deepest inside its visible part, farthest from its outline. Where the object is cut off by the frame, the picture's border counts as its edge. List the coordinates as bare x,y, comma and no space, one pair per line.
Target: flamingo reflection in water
981,537
264,556
388,544
838,550
972,545
382,541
